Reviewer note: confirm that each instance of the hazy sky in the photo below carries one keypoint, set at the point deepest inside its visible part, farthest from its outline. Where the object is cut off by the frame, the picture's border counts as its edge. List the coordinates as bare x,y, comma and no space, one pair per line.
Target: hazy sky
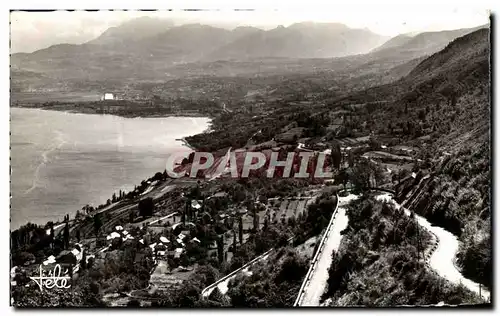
35,30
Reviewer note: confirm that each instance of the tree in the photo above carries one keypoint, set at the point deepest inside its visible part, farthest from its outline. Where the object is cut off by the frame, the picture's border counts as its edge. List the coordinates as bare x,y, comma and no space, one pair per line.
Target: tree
97,224
158,176
220,248
78,215
342,176
146,207
336,155
363,172
350,158
206,274
293,268
240,228
255,222
374,144
187,209
23,257
390,128
421,115
216,295
66,236
450,93
83,261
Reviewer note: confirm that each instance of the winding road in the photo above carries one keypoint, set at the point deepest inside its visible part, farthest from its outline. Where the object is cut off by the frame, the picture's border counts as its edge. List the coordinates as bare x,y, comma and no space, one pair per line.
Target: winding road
317,276
441,260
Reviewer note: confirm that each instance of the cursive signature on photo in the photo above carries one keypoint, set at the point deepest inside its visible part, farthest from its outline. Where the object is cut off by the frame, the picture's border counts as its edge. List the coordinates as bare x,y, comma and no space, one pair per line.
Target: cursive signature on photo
52,278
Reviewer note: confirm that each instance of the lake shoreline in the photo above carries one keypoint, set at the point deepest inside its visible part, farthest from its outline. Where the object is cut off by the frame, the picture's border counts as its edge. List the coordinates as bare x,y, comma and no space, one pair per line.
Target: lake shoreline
186,143
55,216
73,111
182,139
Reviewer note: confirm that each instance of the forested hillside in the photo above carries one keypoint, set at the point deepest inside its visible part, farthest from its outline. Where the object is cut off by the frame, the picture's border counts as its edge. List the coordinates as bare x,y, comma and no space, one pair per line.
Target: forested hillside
457,193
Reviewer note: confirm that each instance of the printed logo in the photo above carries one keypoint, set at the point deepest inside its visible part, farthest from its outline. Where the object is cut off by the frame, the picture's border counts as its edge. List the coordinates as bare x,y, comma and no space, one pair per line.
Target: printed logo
57,277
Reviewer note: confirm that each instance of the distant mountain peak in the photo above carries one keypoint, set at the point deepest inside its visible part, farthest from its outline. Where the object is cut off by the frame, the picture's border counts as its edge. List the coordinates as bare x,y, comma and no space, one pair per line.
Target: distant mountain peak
246,27
132,30
311,24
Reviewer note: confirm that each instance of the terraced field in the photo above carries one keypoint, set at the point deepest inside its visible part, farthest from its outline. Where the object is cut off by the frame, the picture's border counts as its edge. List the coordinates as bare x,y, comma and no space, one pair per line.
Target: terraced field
283,209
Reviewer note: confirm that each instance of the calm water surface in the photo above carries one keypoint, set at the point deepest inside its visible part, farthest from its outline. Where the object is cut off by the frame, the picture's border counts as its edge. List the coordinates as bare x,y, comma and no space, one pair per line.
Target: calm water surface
62,161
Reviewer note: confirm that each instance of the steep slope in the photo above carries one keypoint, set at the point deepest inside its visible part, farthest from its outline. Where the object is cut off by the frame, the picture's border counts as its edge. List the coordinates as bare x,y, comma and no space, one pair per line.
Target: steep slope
462,65
452,88
396,41
398,56
422,44
473,48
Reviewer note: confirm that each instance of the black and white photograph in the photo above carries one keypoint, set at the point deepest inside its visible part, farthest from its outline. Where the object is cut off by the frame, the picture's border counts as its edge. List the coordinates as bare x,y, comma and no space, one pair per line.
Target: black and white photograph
251,158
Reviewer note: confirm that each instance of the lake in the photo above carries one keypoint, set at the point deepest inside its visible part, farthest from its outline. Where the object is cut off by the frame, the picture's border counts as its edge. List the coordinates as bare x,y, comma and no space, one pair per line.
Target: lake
63,161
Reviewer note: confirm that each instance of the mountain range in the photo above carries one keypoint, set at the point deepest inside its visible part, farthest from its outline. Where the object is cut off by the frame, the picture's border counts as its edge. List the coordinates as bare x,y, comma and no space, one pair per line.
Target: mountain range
421,44
154,41
148,48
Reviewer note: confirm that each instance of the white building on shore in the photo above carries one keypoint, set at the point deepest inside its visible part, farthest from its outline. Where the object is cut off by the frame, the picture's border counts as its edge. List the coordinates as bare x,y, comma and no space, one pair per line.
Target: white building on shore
107,96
